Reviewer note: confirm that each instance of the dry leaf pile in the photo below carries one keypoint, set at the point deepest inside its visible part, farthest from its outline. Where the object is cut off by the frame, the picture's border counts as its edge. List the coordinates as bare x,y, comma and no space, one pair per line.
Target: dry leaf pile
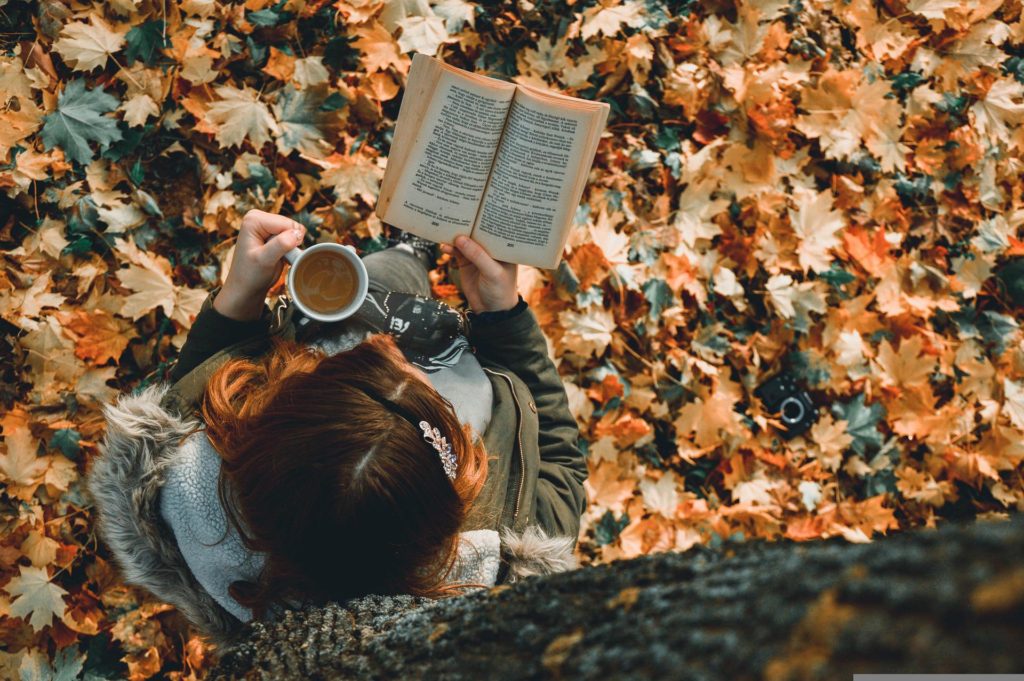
829,189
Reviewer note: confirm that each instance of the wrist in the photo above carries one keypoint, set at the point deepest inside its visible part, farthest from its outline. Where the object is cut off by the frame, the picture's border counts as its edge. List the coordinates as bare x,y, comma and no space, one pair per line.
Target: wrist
498,306
489,317
240,306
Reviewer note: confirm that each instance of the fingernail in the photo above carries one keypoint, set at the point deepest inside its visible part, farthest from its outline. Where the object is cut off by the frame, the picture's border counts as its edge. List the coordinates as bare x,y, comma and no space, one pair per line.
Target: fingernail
460,241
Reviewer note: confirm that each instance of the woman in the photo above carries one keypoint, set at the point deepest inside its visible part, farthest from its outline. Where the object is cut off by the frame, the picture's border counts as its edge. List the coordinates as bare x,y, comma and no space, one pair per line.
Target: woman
332,461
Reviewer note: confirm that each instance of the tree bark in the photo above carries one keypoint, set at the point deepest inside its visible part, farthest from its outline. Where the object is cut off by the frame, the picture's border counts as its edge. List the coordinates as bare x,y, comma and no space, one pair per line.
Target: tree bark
947,600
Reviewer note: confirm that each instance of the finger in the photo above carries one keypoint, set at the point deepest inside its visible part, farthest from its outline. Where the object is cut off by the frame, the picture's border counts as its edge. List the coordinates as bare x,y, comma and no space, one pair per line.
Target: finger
460,260
475,253
275,249
265,225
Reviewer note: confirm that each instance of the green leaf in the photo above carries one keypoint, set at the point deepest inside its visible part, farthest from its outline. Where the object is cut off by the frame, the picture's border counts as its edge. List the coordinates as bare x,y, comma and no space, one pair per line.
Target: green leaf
668,137
907,81
79,120
809,366
272,16
861,422
303,122
136,173
1012,277
67,665
67,439
333,102
608,528
659,296
997,329
836,276
340,55
144,41
129,142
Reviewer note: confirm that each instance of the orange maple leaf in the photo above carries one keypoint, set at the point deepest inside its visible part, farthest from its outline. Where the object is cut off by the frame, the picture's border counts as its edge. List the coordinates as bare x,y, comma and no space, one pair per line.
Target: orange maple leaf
98,335
869,249
608,486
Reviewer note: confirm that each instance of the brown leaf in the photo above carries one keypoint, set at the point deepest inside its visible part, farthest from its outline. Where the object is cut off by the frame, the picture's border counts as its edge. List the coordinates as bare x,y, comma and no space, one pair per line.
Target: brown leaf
98,335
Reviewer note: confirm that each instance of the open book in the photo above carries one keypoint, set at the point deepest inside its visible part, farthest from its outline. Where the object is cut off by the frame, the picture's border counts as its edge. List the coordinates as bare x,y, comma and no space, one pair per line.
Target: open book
503,163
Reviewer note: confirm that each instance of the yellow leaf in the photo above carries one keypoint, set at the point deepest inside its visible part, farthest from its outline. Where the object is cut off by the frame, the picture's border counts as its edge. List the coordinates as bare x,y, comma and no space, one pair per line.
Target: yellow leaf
609,487
93,385
21,465
149,276
609,20
1000,106
908,367
351,176
13,81
548,58
18,123
816,224
36,597
696,208
240,114
780,290
1014,402
587,332
39,548
51,358
756,491
422,34
310,72
832,440
614,245
152,289
139,108
39,296
85,47
61,472
380,48
709,417
661,496
280,65
932,9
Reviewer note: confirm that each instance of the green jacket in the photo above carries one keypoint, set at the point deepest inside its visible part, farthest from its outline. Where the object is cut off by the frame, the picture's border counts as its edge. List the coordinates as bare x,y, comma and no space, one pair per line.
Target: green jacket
536,468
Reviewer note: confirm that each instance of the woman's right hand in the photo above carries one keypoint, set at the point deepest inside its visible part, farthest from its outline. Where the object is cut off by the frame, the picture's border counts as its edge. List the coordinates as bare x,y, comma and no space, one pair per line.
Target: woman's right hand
489,284
263,239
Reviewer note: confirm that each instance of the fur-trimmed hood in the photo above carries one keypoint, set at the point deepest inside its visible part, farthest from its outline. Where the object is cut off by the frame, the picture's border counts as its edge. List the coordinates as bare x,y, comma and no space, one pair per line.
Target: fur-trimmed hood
142,445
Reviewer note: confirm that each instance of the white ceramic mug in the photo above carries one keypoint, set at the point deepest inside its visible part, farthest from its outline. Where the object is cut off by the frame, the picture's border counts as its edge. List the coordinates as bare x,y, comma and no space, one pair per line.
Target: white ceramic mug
296,254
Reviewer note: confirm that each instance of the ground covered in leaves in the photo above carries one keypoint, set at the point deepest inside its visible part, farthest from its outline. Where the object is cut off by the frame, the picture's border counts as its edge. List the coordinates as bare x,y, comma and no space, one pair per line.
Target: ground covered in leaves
826,189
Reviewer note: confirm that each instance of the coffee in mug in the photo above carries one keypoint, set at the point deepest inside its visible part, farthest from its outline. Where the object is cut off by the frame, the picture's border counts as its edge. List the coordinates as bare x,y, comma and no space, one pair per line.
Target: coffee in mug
327,281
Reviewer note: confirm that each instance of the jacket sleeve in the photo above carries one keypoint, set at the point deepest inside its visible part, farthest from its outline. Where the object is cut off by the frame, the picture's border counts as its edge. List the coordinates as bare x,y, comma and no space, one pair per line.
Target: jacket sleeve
518,343
211,332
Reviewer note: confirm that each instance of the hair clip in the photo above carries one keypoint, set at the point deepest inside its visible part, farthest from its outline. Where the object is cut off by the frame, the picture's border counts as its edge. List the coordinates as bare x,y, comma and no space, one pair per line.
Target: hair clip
444,450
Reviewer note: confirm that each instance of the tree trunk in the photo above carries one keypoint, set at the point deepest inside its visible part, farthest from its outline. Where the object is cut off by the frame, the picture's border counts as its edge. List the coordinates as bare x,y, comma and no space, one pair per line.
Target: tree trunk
947,600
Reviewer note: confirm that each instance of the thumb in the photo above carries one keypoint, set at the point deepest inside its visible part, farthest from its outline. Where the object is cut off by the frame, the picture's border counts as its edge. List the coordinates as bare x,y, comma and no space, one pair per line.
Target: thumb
275,249
476,254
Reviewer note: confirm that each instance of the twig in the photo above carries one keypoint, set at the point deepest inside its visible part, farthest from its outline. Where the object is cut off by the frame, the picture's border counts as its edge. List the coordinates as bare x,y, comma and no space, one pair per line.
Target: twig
650,365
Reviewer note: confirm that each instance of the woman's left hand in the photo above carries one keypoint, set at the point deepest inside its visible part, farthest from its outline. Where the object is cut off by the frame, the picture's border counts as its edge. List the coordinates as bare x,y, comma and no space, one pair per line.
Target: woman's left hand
263,240
489,284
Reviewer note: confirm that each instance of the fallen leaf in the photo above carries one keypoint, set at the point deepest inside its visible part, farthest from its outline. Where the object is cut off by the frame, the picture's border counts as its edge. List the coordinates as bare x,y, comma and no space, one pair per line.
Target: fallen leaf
86,46
36,598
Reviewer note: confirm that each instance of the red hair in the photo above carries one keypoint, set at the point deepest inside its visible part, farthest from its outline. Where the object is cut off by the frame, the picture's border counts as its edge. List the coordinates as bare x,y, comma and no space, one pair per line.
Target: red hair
326,472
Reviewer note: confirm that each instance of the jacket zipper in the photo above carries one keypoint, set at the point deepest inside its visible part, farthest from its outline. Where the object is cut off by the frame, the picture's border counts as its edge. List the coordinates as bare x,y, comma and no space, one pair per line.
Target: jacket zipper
519,441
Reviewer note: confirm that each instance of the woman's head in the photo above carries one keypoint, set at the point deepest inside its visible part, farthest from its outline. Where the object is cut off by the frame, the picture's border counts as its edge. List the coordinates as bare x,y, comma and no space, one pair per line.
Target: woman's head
330,475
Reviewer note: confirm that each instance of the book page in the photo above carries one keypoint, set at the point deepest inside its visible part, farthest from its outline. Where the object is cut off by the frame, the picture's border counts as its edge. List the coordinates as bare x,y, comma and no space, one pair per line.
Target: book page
538,177
445,169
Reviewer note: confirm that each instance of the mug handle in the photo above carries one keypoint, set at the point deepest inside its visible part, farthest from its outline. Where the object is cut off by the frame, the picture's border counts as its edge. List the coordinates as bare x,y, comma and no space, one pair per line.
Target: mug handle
293,255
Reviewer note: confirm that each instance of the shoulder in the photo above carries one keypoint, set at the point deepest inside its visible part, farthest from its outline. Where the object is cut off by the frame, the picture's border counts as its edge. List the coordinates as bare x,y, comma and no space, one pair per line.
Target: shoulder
141,447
